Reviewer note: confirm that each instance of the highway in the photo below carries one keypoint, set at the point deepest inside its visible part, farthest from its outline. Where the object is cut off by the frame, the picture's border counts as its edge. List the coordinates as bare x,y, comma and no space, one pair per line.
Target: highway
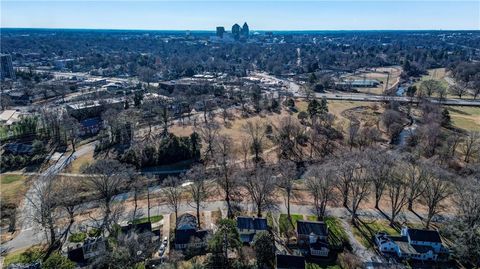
401,99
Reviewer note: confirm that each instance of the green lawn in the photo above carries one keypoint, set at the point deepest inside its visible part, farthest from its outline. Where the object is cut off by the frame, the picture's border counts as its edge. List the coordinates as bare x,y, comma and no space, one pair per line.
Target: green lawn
153,219
12,188
285,225
367,229
8,178
337,235
23,256
467,118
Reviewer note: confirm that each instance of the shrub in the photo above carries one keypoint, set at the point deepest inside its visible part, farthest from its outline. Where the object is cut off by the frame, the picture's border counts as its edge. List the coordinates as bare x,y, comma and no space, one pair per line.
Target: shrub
77,237
94,232
56,260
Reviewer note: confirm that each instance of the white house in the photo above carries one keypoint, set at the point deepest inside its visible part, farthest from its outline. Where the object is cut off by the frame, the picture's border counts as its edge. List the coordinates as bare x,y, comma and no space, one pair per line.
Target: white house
415,244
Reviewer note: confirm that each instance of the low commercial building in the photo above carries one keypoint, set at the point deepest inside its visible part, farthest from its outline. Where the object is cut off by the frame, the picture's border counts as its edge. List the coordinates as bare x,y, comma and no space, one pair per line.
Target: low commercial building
359,83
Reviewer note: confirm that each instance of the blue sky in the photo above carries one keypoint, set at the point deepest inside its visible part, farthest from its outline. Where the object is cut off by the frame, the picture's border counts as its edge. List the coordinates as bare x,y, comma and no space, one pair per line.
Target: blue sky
260,15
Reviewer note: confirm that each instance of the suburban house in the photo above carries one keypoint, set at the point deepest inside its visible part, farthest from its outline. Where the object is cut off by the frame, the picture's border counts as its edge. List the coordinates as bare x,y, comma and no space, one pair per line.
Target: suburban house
90,126
284,261
312,236
187,235
415,244
82,252
247,228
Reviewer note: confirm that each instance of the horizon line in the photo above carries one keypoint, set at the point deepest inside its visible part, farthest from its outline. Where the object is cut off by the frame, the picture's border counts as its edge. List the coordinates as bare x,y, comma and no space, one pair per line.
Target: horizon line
262,30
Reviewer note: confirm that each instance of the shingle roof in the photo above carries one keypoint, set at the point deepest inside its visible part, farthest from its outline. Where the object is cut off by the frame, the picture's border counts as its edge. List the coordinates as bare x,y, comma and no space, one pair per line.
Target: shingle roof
290,261
186,222
424,235
186,236
309,227
259,224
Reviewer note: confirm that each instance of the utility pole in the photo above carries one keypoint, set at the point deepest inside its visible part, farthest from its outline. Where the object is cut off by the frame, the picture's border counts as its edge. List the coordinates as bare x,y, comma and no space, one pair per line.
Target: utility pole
148,199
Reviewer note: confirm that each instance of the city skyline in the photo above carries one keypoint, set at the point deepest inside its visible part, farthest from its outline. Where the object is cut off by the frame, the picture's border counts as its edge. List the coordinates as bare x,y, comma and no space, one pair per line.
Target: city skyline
260,15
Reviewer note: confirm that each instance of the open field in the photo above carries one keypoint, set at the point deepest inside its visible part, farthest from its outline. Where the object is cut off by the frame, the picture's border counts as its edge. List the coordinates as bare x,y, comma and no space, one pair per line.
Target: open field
13,187
467,118
380,74
80,162
442,75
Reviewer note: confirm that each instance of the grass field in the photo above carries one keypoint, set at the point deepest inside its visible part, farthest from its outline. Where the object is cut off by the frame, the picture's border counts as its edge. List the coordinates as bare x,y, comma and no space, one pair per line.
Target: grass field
80,162
285,225
12,187
467,118
365,231
336,108
153,219
26,255
337,235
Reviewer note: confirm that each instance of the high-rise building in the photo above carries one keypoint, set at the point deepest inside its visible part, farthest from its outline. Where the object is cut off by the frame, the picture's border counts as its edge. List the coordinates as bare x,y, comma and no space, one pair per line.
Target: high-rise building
6,67
236,31
245,30
220,31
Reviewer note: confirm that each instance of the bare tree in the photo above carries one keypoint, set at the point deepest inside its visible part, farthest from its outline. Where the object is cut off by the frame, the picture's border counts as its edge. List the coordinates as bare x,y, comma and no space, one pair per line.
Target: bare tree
245,150
135,184
287,173
50,199
438,188
321,186
45,210
353,129
198,188
379,170
209,134
67,194
71,129
471,145
459,89
360,187
345,174
172,191
290,137
256,134
397,193
225,169
467,198
106,178
415,176
260,184
428,87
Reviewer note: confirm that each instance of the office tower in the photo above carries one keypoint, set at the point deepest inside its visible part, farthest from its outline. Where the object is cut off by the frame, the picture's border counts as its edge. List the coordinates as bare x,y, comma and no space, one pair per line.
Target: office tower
245,30
220,31
6,67
236,31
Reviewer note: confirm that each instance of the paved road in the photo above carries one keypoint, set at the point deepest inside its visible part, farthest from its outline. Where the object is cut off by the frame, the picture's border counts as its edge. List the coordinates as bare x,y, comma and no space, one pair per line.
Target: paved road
31,236
381,98
29,233
295,89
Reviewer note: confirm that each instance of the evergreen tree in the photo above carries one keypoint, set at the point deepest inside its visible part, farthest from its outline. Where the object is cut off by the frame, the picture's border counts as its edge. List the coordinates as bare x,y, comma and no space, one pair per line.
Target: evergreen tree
264,247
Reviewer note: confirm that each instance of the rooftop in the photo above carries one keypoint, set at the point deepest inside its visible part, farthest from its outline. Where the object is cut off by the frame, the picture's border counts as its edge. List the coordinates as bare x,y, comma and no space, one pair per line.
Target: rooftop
309,227
424,235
